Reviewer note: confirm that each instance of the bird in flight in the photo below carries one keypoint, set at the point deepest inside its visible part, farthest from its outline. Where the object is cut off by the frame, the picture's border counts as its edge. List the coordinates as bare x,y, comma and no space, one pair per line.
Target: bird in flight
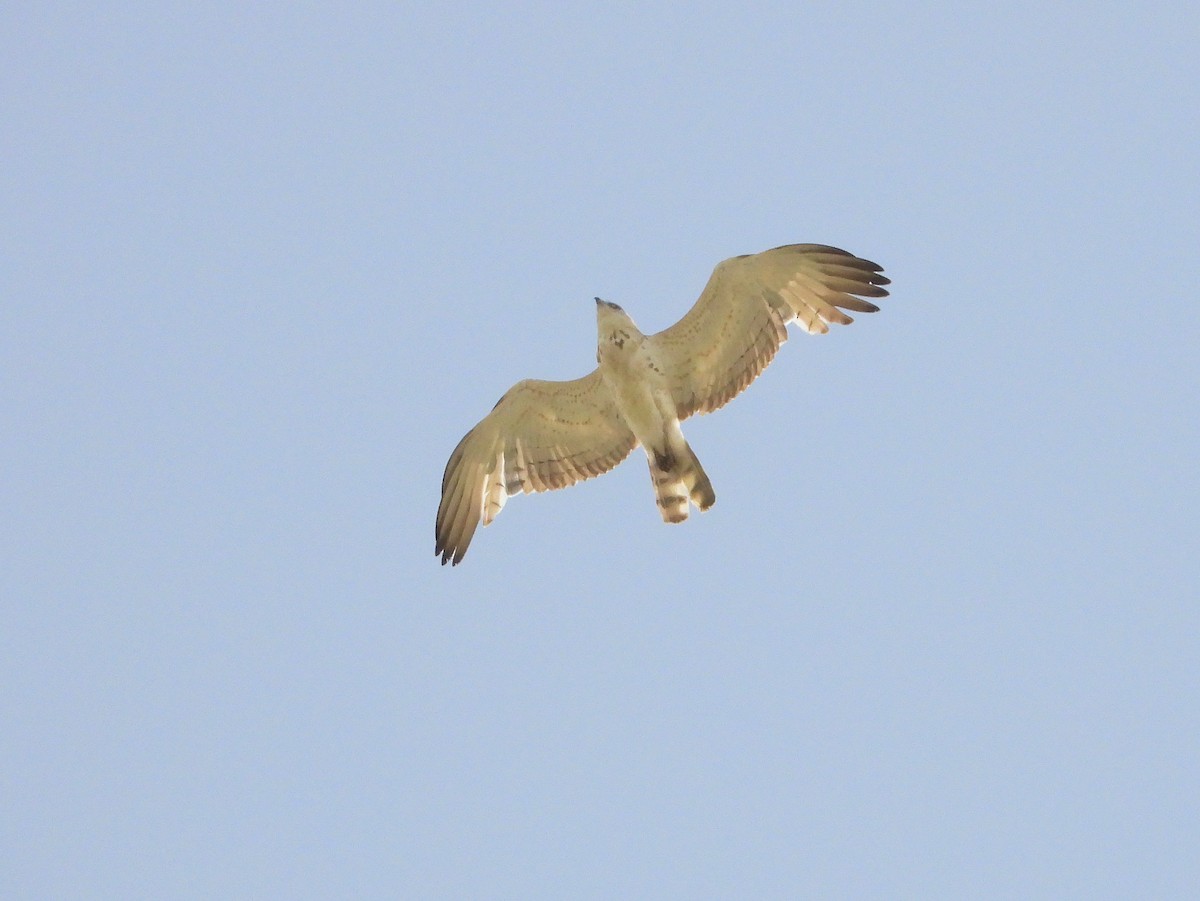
543,435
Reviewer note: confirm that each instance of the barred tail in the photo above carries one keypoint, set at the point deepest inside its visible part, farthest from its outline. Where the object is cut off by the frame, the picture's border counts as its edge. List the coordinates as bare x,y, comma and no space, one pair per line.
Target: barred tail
678,477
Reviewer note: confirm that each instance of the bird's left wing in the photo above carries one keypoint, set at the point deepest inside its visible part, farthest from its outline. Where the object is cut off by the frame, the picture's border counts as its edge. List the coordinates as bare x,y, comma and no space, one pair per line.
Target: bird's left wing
736,326
540,436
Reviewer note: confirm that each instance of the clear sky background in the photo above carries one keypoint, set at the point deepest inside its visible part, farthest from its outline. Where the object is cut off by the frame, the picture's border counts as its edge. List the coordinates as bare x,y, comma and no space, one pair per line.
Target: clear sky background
261,268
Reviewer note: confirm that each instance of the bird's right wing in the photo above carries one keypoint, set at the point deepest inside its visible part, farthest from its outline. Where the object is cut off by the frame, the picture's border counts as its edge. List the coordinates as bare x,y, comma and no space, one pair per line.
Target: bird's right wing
540,436
736,326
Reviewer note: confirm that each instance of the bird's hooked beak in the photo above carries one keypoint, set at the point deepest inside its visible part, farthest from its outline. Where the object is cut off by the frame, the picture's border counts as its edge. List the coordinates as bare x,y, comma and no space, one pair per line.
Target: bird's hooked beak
605,303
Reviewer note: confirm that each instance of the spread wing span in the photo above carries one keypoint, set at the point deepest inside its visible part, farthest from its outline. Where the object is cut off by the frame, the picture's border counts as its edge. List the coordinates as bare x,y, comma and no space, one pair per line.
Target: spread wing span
739,322
540,436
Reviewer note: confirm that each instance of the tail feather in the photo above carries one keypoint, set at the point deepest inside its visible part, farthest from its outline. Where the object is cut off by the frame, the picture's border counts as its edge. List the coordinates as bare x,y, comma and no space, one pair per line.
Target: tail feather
679,477
700,489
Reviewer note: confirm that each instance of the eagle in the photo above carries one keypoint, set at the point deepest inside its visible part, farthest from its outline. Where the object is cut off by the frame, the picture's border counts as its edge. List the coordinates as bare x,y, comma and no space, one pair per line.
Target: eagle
544,435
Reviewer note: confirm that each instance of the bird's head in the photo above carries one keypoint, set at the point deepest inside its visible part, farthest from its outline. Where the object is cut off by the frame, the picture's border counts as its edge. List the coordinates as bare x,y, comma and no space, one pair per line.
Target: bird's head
614,325
609,316
609,313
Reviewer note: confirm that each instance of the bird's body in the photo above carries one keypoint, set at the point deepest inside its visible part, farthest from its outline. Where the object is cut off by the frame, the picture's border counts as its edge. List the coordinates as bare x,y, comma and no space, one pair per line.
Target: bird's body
543,435
635,375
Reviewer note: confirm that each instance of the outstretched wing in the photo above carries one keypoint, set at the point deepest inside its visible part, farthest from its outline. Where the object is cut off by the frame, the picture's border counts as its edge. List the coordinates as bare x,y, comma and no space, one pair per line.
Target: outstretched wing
739,322
539,436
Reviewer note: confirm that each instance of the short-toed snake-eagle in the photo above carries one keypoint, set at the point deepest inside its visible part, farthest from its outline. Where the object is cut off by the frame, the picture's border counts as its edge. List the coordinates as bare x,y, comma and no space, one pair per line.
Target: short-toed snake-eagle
543,435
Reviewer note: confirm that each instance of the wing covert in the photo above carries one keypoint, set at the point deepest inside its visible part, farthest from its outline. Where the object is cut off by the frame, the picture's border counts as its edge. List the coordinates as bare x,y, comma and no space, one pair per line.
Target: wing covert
540,436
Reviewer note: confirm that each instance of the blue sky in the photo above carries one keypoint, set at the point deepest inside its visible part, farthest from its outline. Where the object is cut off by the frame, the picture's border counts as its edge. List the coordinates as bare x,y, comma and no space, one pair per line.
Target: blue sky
263,268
